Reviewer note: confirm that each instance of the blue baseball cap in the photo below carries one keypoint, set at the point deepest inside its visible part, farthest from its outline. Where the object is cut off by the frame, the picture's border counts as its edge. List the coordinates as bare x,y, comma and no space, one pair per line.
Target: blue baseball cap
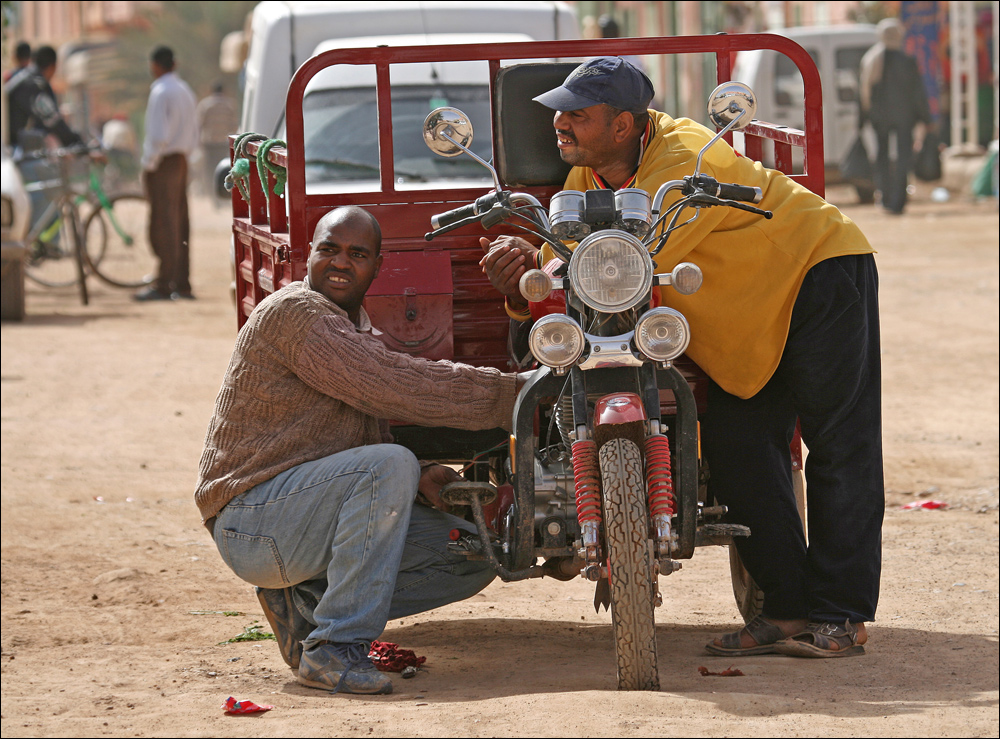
607,79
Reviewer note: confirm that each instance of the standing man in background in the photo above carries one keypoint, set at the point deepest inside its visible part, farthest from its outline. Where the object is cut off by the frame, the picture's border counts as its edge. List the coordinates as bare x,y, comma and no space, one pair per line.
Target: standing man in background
171,136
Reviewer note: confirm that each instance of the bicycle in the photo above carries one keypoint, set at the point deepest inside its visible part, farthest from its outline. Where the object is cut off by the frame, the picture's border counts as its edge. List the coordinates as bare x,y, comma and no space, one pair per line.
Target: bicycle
114,237
55,254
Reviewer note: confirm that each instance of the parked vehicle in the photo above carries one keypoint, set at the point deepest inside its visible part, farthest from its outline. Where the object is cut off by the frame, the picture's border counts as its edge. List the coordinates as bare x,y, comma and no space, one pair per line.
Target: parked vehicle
581,515
16,217
837,52
286,34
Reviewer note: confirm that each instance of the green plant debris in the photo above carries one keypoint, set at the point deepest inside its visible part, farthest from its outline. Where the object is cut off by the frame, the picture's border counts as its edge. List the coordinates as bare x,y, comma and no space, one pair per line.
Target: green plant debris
250,633
216,613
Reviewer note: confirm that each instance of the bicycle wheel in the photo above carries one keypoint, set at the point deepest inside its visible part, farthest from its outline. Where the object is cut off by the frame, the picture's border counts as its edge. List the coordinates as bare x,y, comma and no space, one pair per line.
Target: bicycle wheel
50,259
116,242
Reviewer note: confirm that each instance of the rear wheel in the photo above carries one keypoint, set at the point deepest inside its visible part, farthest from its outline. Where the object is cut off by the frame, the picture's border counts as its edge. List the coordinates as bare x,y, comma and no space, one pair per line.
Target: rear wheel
633,584
749,596
117,242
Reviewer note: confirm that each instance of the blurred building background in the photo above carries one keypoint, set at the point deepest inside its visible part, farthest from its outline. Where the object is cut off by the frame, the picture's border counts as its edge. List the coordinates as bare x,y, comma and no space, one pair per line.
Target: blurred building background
104,46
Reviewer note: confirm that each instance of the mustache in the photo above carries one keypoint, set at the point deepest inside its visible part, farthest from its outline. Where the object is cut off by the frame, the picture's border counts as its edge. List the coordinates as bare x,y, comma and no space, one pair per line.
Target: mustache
565,135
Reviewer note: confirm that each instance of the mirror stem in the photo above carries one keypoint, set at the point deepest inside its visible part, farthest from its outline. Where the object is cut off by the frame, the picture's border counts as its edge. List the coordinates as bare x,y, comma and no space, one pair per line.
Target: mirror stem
496,179
719,135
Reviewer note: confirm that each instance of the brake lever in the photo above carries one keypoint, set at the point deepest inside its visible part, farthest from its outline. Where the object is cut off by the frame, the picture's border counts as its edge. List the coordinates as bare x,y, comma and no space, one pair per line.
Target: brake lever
706,200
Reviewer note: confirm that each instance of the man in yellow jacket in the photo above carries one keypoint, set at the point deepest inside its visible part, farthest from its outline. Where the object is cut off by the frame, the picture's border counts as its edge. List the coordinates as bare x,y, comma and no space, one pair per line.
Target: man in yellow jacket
785,325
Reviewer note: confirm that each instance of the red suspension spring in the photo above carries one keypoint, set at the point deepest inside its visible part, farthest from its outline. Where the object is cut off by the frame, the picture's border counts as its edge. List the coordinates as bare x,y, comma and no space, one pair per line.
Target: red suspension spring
586,475
659,476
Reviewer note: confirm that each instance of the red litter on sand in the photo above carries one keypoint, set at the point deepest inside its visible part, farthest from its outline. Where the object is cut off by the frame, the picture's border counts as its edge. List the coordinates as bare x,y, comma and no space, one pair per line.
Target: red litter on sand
728,672
388,657
929,505
234,707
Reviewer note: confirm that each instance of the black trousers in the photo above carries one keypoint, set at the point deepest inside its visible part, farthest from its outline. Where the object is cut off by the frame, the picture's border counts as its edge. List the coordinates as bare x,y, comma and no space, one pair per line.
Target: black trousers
169,228
829,377
891,173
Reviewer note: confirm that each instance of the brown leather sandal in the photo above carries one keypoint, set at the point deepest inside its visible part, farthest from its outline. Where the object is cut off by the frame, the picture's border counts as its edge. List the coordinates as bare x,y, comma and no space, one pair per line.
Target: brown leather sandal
766,634
823,640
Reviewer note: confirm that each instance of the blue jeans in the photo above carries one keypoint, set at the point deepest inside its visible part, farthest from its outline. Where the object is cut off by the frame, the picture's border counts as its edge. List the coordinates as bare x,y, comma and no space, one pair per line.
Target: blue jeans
829,378
344,531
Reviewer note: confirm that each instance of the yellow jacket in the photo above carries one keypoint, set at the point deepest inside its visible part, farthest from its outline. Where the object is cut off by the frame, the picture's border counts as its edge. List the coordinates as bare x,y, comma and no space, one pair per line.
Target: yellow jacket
753,267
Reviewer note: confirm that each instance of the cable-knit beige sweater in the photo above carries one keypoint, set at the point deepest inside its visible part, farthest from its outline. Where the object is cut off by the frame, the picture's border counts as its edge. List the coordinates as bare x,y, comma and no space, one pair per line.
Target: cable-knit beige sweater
304,382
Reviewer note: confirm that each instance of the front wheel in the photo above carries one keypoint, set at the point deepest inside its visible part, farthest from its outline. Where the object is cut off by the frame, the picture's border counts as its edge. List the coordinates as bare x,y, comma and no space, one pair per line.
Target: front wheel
633,582
117,242
50,258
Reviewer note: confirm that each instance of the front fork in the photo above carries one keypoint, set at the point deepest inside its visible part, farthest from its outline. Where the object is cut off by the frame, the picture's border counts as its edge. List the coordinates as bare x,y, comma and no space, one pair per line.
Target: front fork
674,525
636,417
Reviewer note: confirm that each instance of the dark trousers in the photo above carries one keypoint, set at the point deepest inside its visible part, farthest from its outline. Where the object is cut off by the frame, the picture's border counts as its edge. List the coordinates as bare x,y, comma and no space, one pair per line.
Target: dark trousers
891,173
829,378
169,229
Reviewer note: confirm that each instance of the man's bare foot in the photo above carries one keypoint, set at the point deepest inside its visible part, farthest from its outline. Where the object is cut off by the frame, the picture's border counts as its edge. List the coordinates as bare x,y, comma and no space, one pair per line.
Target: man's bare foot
759,636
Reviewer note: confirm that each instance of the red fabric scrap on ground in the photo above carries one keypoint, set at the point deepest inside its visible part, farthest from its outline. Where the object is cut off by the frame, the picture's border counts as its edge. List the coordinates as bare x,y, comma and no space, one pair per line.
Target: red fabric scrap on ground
388,657
728,672
930,505
234,707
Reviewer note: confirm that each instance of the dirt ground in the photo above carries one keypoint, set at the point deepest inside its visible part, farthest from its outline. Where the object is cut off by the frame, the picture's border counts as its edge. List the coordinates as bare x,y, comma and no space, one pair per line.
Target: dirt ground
114,600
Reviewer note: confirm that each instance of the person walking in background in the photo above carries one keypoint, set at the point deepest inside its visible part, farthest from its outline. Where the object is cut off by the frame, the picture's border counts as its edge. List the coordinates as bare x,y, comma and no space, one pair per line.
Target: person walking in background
218,117
171,136
893,100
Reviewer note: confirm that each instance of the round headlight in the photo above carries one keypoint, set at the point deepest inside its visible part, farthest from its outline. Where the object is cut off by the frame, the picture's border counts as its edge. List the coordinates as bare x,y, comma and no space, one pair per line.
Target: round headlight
662,334
611,271
556,341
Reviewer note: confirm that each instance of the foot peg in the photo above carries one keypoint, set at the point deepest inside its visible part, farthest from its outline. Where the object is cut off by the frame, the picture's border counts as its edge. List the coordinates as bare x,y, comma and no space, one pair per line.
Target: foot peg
719,534
464,491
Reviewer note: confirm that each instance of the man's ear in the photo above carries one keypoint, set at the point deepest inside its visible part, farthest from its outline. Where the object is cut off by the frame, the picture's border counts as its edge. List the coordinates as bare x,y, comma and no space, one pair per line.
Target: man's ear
378,264
622,126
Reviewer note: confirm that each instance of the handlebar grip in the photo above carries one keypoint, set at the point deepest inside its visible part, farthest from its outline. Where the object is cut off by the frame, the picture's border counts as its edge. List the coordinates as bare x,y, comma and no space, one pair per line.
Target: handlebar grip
478,207
740,192
453,216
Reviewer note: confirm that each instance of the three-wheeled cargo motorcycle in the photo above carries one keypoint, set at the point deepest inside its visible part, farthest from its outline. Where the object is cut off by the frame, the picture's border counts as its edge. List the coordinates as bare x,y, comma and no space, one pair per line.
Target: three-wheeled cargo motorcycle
602,476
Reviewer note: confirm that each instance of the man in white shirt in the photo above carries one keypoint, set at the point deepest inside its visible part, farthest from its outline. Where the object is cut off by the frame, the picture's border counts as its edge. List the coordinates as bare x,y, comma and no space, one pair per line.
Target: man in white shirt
171,135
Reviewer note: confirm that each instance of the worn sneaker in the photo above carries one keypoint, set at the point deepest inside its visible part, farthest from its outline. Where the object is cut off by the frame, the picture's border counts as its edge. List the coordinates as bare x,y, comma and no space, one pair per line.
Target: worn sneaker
148,294
343,668
287,624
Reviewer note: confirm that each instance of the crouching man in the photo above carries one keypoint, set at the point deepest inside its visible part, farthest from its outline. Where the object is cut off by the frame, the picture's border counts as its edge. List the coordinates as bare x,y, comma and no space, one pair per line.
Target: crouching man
300,485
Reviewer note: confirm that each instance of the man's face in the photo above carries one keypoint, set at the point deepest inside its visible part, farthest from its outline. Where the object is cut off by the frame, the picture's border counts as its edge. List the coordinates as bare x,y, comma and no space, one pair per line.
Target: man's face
343,262
585,137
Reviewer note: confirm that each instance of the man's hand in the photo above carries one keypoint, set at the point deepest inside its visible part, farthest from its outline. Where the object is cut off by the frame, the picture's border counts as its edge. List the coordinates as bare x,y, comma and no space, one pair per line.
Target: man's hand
506,260
432,479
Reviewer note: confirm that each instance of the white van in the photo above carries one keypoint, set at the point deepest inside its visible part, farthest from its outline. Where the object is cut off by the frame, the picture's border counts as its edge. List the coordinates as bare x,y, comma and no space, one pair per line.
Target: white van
340,121
837,52
285,34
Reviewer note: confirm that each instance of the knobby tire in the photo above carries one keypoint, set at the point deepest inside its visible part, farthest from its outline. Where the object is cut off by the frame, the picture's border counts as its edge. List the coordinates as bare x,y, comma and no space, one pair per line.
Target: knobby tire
633,584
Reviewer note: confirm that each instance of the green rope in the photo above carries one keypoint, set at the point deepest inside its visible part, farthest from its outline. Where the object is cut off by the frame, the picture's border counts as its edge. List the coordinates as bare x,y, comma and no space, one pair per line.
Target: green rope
239,175
263,163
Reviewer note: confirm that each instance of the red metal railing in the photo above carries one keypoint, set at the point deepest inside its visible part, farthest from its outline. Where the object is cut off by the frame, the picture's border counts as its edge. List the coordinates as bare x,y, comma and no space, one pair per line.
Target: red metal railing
271,249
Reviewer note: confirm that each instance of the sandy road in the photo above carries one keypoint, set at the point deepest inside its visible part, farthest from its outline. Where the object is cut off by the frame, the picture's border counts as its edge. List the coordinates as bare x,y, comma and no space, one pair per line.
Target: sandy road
113,597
